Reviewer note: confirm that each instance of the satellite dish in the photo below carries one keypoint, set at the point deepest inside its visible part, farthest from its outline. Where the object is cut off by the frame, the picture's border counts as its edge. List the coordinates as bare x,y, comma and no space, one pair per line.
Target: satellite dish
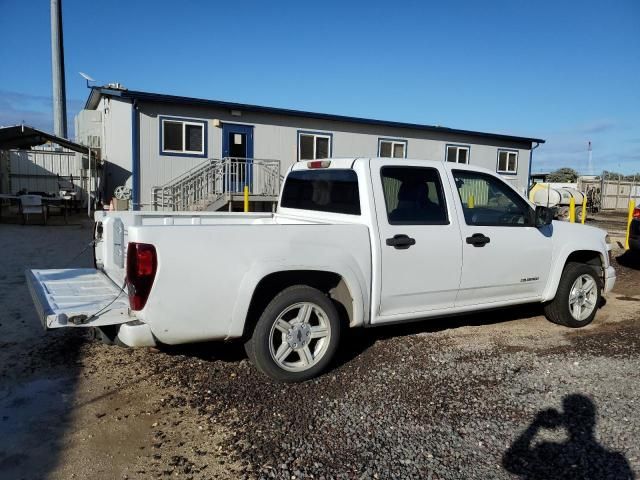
87,78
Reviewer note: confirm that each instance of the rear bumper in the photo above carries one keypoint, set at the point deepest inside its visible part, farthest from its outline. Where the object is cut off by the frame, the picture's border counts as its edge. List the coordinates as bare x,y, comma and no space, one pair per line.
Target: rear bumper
609,279
136,334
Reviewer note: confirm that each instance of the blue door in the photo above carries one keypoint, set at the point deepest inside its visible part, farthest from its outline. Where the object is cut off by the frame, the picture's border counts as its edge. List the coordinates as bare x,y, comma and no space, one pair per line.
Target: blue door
237,145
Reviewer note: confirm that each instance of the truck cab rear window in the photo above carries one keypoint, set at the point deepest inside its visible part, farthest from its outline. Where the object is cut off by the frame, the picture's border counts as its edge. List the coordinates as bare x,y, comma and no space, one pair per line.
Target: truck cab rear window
334,191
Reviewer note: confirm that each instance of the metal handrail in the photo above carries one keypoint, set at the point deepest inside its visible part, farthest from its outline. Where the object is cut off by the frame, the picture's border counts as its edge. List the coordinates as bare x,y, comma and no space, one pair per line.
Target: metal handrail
216,180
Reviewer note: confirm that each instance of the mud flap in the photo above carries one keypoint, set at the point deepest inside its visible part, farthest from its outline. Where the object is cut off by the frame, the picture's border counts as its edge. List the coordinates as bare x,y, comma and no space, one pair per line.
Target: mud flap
77,297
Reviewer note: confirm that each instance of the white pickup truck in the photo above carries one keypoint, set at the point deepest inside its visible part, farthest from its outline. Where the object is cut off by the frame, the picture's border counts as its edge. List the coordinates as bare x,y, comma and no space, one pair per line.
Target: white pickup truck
353,243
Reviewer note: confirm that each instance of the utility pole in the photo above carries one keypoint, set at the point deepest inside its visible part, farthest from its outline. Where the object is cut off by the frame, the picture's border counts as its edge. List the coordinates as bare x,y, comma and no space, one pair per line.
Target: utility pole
57,71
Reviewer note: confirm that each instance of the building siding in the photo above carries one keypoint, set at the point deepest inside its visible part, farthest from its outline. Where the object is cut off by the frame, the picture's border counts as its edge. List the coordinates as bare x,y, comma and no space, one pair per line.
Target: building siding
276,137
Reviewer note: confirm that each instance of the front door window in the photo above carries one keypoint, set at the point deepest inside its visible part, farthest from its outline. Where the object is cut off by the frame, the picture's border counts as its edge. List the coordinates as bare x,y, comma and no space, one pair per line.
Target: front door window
487,201
237,145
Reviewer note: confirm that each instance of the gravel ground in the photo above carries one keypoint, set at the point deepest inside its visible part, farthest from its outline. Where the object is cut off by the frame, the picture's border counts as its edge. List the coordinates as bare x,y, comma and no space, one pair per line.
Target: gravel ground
429,405
493,395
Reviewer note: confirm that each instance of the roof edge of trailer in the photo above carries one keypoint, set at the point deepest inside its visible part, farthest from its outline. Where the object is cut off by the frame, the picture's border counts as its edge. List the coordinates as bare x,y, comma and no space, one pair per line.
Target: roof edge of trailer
97,92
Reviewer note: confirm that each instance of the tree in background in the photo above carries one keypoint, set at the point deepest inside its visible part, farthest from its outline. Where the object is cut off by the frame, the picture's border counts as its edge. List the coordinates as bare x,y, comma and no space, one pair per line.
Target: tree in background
563,175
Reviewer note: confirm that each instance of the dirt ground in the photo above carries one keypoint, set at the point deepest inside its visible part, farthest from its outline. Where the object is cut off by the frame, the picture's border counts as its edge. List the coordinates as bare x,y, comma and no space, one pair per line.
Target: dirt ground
71,407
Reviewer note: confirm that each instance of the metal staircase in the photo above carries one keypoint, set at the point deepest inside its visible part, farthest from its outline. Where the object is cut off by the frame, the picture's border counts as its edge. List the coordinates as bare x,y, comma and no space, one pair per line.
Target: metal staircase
217,183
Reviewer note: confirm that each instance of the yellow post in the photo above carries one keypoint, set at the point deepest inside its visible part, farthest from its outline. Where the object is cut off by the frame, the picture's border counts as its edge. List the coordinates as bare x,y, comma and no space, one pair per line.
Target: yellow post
584,209
632,206
246,198
572,210
471,202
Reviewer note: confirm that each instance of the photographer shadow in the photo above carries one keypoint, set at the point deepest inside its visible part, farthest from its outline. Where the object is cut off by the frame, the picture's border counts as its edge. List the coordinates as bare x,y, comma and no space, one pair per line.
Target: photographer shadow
580,456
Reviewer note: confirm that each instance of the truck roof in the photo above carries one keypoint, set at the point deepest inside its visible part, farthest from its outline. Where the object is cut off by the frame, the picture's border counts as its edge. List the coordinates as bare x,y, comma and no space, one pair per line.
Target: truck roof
349,162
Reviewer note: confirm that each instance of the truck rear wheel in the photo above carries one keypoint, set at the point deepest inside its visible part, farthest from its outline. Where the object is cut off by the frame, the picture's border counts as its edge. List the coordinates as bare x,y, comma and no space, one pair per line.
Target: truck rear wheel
577,298
296,336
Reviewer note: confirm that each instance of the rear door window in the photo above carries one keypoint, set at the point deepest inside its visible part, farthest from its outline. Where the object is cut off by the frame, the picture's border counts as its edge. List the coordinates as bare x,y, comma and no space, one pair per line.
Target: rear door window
334,191
413,196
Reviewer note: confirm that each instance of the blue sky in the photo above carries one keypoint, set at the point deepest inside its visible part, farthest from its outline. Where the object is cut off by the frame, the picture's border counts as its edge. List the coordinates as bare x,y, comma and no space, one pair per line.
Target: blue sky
568,72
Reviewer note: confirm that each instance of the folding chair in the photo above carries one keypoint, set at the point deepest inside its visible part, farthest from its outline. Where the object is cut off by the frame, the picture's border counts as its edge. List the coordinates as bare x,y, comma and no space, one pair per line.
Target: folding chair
32,204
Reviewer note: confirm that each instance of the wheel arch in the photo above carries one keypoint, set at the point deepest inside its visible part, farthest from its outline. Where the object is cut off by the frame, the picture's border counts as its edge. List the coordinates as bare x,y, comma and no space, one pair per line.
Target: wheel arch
344,288
591,257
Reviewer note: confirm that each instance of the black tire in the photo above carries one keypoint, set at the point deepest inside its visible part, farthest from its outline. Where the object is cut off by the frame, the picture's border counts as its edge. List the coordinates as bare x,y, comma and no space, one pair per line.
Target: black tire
258,346
557,310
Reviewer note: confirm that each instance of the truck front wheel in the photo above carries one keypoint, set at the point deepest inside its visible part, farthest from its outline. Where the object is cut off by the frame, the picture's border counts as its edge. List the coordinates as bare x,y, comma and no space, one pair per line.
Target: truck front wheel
296,336
577,298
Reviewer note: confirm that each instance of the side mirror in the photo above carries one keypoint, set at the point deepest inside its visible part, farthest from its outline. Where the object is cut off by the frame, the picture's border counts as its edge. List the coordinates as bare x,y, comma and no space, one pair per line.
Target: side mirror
543,216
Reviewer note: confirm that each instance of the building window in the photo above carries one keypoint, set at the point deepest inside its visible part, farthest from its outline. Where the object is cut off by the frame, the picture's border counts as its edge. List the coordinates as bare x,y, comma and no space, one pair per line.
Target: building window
507,161
183,137
457,154
390,148
312,146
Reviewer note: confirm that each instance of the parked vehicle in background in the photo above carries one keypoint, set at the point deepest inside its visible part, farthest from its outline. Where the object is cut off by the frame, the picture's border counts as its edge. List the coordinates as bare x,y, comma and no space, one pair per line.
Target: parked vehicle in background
354,243
634,231
558,197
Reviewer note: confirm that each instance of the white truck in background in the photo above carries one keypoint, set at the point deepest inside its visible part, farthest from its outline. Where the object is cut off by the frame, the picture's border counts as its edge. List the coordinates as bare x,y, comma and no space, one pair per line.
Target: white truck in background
354,242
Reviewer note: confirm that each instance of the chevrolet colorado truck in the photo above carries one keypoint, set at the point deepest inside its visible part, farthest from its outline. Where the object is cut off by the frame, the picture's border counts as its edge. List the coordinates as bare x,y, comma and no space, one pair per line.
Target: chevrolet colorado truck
357,242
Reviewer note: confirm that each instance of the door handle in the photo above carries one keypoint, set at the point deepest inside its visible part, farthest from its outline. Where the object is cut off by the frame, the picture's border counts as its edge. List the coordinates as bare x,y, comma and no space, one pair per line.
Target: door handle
401,242
478,240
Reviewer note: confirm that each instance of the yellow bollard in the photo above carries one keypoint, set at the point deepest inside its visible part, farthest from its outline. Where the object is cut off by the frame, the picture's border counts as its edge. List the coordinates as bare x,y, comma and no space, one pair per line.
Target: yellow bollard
471,202
584,209
572,210
246,199
632,206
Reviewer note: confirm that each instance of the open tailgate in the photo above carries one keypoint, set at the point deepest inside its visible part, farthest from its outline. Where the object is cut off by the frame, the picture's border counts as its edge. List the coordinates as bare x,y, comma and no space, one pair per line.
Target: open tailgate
77,297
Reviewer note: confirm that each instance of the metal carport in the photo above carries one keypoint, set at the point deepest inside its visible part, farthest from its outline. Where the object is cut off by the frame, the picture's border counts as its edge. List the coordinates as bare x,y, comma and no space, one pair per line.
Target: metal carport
23,137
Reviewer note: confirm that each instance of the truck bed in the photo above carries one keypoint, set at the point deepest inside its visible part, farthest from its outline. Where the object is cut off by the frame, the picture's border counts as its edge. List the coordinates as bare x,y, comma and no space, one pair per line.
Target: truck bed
207,274
111,244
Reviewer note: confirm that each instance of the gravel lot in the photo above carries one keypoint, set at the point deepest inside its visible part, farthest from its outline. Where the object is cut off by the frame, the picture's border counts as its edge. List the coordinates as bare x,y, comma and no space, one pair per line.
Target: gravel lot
469,397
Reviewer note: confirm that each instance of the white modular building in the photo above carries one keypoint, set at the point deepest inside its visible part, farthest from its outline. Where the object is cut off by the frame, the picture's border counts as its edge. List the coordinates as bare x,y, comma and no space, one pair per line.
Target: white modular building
191,153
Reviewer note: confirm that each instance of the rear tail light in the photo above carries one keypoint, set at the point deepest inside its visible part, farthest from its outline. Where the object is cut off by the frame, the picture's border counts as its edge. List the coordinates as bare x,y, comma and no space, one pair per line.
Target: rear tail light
636,213
319,164
142,264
